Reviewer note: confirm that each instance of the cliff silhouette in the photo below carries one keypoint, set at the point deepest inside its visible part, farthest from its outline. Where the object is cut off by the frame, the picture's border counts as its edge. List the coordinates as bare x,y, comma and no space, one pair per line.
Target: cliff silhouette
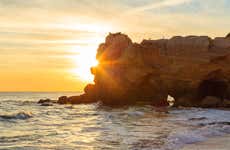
194,70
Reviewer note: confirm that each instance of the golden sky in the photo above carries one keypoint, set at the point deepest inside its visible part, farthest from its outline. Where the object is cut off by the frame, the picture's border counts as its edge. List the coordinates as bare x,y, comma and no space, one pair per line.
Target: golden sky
49,45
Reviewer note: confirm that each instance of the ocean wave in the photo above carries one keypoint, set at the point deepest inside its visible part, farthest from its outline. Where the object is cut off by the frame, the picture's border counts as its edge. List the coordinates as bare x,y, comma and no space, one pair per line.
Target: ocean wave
20,115
180,138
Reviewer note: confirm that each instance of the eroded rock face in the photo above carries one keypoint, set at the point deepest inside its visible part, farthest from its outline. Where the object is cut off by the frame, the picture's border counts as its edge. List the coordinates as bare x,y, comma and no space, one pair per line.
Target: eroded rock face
113,47
222,43
187,45
188,68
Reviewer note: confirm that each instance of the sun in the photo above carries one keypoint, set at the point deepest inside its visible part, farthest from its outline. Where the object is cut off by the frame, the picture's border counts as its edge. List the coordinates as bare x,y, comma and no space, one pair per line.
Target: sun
86,53
83,61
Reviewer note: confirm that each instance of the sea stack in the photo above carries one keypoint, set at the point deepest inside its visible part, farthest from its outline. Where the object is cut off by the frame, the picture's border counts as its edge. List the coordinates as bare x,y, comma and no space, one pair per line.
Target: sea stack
191,69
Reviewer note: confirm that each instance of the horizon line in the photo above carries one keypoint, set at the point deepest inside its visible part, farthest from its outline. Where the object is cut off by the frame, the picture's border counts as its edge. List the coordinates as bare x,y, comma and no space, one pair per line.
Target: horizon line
39,91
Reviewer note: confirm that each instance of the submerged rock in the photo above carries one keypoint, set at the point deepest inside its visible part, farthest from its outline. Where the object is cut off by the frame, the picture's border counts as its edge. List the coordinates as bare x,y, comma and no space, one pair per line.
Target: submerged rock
81,99
215,123
41,101
46,104
198,119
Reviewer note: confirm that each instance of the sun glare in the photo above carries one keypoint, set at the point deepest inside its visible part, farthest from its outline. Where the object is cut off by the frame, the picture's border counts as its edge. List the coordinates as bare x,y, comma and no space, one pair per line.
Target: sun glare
86,57
84,61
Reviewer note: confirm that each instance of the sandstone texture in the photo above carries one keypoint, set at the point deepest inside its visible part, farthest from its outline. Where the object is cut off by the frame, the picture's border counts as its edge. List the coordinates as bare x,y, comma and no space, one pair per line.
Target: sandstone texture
194,70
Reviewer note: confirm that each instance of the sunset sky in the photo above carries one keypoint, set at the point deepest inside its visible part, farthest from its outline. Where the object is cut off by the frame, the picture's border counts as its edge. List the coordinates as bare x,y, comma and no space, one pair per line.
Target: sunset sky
49,45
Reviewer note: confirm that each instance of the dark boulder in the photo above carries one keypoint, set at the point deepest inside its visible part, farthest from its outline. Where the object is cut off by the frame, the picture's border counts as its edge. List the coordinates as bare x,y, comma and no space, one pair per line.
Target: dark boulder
41,101
46,104
80,99
211,101
62,100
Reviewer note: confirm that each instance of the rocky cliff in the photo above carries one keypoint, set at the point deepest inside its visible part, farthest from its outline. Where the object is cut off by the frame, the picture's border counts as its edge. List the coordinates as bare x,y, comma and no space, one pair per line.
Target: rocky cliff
195,70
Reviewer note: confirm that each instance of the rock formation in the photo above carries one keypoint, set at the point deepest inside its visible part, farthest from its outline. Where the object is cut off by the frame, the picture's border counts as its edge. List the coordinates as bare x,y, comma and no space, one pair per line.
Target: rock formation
193,69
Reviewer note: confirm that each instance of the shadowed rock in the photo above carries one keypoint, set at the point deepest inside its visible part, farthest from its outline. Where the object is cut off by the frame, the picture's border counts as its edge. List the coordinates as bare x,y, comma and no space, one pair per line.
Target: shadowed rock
63,100
226,103
190,69
41,101
210,101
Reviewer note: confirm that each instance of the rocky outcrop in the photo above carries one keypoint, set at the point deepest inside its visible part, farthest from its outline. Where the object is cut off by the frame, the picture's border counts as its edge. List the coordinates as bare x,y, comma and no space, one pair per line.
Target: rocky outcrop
41,101
194,70
220,43
46,102
187,45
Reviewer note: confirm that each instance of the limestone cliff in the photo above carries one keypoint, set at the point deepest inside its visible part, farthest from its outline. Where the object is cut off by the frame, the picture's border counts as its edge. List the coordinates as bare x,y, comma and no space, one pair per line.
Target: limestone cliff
190,69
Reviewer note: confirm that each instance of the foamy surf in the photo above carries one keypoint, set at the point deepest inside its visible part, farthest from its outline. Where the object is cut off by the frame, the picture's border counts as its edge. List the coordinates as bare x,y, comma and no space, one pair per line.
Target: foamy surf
101,127
178,139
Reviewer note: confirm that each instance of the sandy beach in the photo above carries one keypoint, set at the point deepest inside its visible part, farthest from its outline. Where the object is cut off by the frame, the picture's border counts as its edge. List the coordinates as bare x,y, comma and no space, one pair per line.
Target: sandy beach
217,143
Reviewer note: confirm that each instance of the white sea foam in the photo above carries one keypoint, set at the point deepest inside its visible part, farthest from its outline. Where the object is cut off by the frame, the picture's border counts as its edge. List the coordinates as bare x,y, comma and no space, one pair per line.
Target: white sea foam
214,123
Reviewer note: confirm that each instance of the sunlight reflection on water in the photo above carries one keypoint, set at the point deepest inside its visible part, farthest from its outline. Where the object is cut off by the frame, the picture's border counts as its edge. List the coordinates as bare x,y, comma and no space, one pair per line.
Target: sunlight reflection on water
99,127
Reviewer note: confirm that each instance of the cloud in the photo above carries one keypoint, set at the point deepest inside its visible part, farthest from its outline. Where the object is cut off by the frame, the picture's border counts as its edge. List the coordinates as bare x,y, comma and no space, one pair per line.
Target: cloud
157,5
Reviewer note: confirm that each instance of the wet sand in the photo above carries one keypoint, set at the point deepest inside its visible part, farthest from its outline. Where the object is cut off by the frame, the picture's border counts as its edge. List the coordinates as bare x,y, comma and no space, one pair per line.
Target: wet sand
217,143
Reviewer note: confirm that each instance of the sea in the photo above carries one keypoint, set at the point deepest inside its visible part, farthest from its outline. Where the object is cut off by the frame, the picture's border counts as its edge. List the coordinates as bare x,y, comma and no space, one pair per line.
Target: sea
26,125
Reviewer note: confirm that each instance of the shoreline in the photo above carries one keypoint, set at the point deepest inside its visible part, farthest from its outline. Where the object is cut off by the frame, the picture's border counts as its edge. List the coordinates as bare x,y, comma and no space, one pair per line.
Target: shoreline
214,143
